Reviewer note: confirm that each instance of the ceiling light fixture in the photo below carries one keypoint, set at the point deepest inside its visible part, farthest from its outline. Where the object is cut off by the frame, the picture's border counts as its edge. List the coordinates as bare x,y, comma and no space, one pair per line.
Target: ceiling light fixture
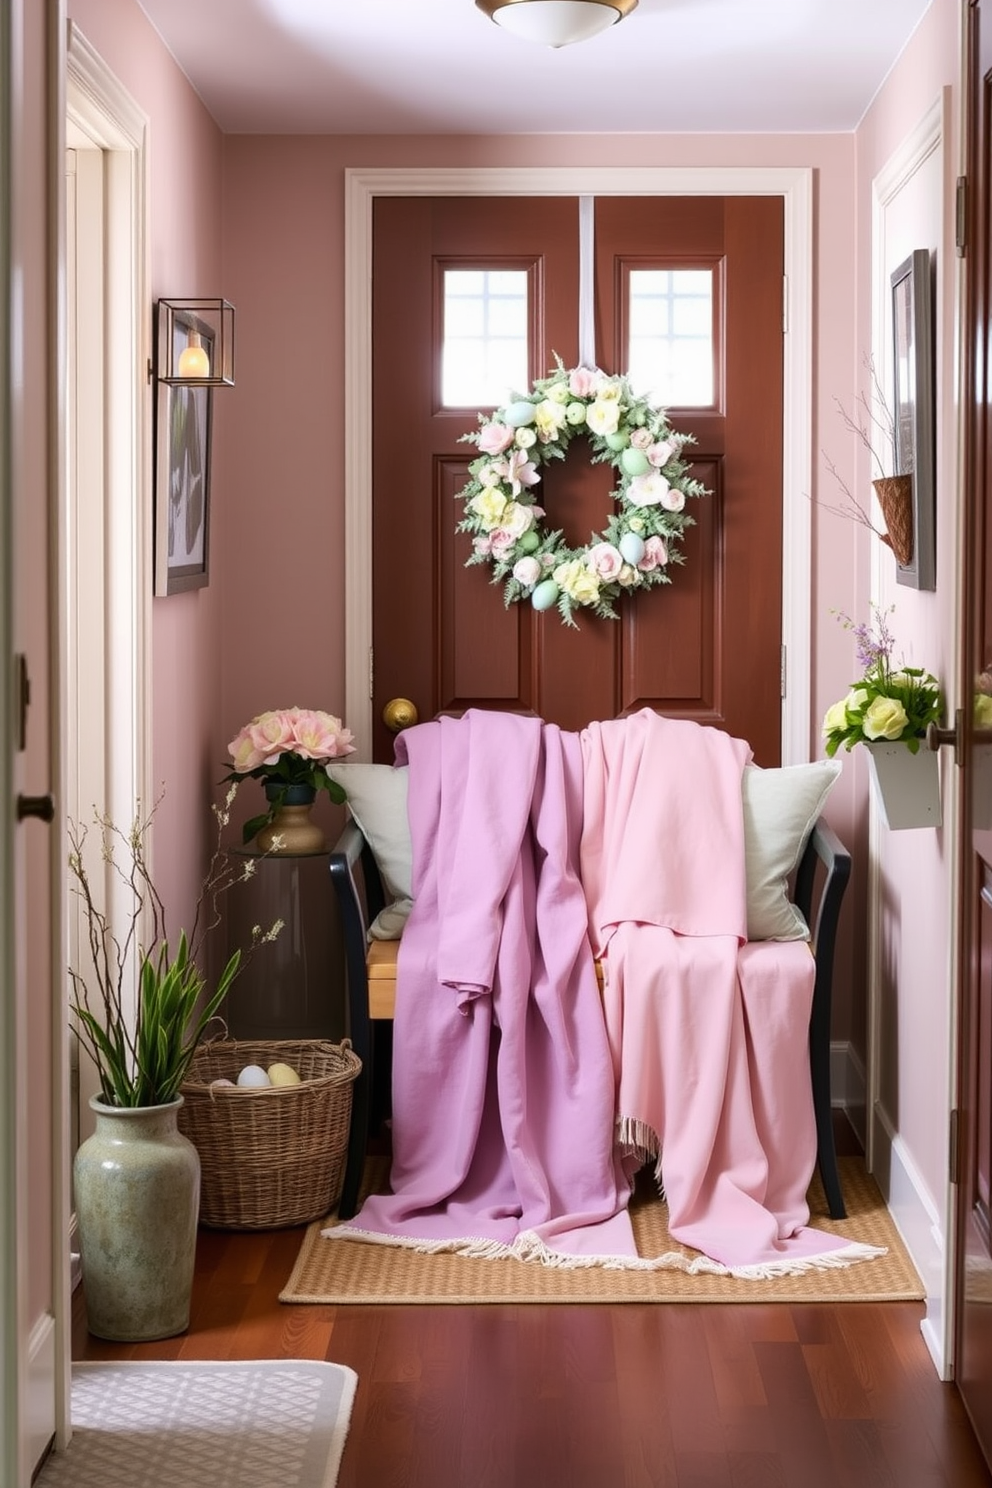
556,23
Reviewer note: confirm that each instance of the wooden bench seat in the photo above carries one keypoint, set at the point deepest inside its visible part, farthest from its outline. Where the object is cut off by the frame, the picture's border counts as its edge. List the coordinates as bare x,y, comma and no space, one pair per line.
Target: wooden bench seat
821,879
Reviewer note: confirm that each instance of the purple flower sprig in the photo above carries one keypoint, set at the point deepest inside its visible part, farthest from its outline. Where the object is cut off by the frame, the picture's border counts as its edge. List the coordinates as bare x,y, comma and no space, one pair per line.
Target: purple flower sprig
874,640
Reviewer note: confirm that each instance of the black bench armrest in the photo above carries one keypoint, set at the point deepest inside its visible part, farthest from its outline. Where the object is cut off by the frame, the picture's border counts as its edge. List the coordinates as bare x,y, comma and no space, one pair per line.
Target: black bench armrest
358,889
824,855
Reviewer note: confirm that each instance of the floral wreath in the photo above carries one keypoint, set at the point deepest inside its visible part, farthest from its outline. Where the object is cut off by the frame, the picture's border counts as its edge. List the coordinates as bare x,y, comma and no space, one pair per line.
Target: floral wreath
636,548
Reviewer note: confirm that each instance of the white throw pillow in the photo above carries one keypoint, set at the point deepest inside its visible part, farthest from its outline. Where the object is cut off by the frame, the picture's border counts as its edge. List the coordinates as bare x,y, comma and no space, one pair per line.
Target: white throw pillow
780,810
377,800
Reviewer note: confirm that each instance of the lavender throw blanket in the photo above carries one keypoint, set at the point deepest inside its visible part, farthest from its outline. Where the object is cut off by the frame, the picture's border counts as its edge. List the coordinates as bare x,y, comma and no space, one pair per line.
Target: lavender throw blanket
503,1086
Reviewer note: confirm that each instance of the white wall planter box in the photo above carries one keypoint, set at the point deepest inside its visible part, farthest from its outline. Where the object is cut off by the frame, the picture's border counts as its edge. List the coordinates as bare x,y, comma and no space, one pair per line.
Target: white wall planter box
907,786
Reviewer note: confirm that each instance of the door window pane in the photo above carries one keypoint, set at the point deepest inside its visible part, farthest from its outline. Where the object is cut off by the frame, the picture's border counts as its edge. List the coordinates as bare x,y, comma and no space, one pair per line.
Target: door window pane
484,346
671,353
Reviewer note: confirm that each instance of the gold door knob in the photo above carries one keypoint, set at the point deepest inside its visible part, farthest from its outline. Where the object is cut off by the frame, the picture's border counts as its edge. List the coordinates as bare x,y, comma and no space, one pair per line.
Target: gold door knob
398,714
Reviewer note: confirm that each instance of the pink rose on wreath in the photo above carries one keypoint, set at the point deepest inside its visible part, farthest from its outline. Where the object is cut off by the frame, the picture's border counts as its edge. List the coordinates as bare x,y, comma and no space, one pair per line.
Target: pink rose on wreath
655,555
605,560
503,540
494,438
583,381
527,571
288,748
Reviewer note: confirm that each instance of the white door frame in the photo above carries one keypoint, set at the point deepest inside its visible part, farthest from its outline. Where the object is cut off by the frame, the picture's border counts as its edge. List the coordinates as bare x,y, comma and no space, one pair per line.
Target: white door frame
104,544
10,1323
99,106
795,186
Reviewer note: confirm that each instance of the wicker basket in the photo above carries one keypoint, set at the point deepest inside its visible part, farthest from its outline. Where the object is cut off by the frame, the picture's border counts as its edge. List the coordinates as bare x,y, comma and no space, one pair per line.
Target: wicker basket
275,1156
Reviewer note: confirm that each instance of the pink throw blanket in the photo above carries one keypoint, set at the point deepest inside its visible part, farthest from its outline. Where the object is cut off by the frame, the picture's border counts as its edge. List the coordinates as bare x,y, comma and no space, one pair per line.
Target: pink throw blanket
503,1088
709,1034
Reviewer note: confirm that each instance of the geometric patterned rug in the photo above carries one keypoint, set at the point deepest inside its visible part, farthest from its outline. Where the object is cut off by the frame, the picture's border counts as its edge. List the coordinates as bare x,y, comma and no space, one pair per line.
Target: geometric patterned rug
341,1273
278,1423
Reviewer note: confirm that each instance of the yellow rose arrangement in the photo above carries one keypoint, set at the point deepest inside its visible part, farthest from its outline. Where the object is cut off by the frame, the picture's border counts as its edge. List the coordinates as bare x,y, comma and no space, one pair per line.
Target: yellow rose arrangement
887,704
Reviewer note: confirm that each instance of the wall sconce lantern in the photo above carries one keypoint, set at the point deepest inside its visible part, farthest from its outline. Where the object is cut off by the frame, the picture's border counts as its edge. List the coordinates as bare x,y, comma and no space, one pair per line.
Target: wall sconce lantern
196,343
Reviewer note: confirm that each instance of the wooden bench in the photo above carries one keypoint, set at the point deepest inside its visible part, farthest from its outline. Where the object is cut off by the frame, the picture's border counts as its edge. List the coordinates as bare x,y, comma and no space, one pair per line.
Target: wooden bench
820,881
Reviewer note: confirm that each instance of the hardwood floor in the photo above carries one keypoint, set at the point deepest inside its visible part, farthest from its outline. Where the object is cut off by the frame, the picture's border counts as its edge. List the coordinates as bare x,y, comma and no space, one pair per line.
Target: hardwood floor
663,1396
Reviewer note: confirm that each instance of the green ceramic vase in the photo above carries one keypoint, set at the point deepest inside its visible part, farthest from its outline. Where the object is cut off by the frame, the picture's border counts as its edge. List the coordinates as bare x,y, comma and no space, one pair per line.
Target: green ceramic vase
137,1194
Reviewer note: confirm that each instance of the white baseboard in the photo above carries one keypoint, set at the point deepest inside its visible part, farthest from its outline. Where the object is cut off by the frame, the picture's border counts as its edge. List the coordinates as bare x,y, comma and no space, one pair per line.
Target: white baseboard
849,1086
914,1212
918,1220
39,1414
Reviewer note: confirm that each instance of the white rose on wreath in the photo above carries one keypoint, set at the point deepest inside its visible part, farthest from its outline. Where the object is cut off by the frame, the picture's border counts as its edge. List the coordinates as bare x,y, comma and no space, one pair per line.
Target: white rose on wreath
637,547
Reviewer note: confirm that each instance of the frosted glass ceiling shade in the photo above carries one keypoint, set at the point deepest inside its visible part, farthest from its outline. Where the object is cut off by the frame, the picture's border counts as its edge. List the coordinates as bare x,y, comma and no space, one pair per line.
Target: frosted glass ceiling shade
556,23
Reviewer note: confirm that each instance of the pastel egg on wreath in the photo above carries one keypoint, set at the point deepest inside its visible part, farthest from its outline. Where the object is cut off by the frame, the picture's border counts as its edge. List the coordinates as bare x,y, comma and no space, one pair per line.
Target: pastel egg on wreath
619,440
634,461
519,414
529,543
253,1077
632,548
545,594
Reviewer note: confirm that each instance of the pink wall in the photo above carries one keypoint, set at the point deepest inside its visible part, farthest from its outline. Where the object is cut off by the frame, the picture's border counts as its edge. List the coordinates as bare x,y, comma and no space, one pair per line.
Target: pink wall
186,155
917,868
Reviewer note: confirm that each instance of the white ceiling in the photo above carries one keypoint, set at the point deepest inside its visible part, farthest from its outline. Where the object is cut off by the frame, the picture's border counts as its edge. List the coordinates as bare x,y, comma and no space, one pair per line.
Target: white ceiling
441,67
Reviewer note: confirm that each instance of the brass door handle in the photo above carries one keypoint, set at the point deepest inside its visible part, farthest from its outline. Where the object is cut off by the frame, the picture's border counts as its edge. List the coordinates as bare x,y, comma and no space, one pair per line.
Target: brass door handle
398,714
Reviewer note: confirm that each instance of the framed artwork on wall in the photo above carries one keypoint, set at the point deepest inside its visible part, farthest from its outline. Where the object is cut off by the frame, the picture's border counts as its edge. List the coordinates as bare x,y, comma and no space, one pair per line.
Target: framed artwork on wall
914,411
182,472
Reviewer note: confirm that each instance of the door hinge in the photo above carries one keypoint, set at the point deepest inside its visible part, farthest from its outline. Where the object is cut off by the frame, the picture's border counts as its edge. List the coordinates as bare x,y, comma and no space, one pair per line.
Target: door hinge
371,672
954,1147
22,701
785,304
961,216
783,673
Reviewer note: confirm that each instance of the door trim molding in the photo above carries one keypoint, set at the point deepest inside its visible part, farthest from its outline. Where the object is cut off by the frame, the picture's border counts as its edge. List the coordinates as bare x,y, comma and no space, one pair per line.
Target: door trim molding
927,1221
101,109
795,186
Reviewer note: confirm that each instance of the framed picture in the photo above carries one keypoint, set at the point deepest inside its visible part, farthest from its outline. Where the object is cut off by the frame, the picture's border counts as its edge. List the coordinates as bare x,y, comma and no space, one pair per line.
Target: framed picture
182,473
915,451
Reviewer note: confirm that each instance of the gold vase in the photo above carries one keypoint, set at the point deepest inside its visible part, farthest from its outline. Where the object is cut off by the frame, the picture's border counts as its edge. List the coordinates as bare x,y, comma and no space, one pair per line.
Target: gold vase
291,831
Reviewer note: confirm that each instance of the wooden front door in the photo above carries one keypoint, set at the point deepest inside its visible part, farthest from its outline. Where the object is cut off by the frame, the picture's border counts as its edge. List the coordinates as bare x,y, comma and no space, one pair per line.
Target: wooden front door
973,1291
706,647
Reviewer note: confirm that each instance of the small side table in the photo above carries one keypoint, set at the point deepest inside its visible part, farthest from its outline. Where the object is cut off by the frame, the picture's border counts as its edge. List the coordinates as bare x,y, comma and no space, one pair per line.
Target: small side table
294,986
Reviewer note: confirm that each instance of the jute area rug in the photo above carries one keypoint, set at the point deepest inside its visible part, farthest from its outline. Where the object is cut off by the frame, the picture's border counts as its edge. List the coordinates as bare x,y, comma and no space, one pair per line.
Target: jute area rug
341,1273
267,1424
